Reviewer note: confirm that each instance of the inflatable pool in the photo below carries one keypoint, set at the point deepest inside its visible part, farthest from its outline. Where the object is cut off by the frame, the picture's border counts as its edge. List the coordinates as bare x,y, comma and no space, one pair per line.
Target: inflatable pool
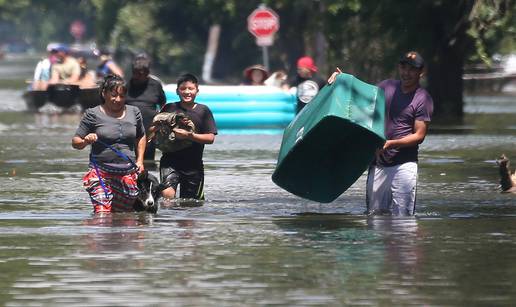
246,108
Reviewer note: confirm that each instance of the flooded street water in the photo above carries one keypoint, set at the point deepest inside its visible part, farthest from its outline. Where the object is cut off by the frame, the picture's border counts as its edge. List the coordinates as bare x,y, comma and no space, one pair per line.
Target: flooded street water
251,243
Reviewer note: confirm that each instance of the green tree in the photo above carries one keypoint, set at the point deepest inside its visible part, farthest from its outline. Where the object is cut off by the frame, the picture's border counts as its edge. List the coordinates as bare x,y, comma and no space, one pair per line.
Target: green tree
363,37
42,21
447,33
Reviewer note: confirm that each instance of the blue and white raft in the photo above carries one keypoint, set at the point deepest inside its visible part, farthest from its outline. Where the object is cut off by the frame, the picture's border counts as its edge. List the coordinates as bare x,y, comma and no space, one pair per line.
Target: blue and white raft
244,107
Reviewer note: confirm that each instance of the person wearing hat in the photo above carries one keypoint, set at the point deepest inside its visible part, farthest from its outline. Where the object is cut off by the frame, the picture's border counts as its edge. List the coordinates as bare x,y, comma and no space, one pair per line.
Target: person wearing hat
107,65
66,69
42,72
306,82
255,75
392,176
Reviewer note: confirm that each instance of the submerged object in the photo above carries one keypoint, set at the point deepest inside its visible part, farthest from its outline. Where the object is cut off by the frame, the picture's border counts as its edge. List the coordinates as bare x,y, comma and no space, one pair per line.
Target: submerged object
243,106
332,141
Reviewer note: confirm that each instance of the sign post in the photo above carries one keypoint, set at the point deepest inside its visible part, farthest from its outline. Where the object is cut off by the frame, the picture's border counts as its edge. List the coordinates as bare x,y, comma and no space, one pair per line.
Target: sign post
263,23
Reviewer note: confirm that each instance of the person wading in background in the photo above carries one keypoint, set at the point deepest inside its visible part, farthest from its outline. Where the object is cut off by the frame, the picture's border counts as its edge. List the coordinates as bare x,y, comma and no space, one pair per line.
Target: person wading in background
147,94
306,81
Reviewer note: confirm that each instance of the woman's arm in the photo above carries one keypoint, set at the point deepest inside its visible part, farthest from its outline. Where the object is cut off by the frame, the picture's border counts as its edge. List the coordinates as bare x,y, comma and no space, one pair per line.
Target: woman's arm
140,150
80,143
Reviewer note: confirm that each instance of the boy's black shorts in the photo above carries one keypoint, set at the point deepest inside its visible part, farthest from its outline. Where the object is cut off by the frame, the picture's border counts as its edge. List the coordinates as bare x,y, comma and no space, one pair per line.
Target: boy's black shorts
191,182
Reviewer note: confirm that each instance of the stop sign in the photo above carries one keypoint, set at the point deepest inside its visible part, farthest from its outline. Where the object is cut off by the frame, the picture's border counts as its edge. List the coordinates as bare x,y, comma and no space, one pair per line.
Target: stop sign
263,22
77,29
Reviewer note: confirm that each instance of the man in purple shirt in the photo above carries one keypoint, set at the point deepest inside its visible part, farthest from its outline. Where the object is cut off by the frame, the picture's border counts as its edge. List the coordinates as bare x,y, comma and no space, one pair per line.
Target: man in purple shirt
392,177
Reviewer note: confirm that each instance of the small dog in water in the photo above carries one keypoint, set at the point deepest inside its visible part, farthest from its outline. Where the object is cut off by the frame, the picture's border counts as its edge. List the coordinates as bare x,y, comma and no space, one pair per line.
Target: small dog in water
150,193
507,178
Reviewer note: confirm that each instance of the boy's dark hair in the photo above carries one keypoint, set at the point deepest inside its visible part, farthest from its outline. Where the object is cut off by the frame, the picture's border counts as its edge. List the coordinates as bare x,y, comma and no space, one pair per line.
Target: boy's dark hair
187,77
141,62
110,83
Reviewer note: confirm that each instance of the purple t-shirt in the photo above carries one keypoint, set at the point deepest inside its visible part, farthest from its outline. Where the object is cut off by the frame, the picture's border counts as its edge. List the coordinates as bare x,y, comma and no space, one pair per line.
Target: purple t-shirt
401,111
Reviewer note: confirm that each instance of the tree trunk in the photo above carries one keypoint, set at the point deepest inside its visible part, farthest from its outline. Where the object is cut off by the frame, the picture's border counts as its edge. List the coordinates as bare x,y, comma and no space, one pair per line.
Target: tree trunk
211,53
445,85
321,44
446,67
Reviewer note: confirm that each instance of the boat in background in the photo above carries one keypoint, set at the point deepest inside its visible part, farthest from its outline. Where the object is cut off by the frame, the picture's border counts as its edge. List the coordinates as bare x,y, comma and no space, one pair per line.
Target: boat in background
65,96
89,97
242,107
35,99
332,141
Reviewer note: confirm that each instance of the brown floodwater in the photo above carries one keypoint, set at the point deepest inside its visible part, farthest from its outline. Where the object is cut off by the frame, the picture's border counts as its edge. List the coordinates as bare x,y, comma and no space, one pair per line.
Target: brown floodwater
251,243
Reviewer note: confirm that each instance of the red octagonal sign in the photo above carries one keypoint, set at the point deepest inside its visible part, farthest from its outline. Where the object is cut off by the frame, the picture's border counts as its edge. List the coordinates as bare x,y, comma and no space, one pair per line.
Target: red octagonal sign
263,22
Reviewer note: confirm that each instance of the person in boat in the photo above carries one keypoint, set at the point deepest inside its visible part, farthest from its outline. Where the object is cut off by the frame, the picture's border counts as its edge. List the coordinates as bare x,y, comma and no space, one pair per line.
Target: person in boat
66,69
87,78
147,94
306,82
42,71
107,65
185,167
392,176
255,75
117,137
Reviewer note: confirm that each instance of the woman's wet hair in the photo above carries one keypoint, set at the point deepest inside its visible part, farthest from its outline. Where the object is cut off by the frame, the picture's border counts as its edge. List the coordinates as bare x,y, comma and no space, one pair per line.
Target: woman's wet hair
110,83
187,77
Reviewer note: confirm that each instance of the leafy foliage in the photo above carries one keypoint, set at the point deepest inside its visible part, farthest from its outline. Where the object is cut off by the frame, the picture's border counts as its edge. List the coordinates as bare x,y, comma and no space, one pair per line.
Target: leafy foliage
363,37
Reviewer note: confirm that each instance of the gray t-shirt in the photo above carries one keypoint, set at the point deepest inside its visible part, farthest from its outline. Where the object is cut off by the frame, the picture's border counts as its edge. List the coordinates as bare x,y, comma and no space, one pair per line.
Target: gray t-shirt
119,133
401,111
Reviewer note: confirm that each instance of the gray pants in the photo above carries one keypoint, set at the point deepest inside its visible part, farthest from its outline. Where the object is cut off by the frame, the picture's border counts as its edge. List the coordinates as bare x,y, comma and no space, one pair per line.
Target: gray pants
392,190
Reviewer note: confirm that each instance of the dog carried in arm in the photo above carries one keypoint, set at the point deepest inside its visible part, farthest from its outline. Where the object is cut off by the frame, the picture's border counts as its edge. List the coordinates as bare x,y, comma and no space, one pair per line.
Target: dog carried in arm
162,129
507,178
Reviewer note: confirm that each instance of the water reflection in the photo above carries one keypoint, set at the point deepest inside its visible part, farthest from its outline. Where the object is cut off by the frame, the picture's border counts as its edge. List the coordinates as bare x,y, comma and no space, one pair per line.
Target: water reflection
366,240
401,238
56,119
119,234
358,249
252,243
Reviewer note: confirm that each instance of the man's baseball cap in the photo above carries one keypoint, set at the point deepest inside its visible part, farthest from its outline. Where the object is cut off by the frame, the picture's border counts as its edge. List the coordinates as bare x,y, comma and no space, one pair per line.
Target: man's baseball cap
306,62
413,59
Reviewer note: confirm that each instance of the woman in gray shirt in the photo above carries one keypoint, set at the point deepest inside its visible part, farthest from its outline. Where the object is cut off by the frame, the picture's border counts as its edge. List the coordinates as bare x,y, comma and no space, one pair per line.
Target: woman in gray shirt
117,137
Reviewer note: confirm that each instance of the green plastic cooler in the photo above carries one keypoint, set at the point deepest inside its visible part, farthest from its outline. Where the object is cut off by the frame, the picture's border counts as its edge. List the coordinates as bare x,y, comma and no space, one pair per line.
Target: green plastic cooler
332,141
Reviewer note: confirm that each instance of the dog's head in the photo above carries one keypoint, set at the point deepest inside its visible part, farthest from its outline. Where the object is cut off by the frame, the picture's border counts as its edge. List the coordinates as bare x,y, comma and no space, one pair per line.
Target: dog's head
503,161
150,192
